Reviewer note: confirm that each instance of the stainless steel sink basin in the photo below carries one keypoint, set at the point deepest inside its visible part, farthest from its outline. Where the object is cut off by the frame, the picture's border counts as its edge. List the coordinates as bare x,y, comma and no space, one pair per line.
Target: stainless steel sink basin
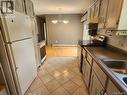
119,66
125,80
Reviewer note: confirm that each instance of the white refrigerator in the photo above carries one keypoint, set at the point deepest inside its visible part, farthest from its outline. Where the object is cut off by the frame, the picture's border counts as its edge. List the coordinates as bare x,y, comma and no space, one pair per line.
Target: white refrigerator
18,38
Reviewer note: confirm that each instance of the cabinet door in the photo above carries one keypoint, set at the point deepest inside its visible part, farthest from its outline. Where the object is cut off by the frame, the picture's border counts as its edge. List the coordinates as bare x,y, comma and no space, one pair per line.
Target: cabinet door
112,89
86,72
113,13
29,7
97,9
123,17
103,13
89,58
102,77
92,12
95,86
92,1
19,6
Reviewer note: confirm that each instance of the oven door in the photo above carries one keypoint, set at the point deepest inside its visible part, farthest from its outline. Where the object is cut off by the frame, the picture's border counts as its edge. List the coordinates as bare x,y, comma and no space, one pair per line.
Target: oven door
43,53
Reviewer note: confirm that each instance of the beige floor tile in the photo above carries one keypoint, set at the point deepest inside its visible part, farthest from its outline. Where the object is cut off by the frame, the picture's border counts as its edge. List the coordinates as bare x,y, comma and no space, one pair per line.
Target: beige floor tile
36,84
76,69
64,69
77,80
70,86
42,72
60,91
46,78
51,69
69,74
83,86
55,74
62,80
52,85
28,92
41,91
80,91
59,74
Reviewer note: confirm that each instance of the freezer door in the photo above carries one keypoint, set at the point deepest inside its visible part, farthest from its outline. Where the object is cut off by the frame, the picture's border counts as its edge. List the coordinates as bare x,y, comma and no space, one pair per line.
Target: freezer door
17,28
24,57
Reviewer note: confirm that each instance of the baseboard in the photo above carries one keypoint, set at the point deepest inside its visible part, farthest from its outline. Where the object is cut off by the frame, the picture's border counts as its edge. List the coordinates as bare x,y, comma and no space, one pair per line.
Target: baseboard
64,45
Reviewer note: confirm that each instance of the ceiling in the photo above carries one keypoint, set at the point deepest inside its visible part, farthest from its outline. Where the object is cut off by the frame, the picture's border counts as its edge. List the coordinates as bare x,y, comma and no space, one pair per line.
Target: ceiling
67,6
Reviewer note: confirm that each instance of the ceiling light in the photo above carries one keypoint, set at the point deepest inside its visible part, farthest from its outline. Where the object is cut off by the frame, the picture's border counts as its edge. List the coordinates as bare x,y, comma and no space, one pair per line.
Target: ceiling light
54,21
65,21
59,20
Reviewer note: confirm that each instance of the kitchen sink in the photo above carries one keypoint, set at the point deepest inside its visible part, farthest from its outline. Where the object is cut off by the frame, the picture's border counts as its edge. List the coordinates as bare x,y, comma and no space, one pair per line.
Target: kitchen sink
119,66
125,80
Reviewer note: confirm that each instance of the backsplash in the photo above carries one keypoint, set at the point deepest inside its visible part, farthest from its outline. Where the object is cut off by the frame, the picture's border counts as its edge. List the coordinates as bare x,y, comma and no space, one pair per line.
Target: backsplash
116,41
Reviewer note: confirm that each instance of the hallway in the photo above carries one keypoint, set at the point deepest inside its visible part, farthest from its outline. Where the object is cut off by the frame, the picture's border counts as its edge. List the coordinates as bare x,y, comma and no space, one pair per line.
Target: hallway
59,74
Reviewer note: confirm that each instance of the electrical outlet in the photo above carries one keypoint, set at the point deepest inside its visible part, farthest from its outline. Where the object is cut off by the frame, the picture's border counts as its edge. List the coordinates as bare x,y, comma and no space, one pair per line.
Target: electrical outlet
121,33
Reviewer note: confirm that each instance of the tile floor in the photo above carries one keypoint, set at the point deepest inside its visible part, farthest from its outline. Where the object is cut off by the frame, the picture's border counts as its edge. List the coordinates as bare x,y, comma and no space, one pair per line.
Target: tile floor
58,76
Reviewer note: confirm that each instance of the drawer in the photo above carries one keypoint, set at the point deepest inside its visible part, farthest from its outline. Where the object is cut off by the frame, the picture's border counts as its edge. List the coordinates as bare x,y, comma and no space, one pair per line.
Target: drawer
112,89
89,58
100,74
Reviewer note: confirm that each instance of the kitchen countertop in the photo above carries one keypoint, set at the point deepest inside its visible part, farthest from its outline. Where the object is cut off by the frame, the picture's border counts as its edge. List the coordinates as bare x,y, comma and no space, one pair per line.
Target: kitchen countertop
99,53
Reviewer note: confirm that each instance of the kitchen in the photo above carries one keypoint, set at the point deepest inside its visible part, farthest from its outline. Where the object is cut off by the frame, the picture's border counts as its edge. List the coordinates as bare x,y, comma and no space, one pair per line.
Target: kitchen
63,47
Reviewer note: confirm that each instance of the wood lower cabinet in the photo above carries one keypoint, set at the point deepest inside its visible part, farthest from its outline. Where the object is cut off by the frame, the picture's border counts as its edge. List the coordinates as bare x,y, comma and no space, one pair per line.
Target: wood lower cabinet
89,58
96,80
112,89
96,87
86,70
79,51
100,74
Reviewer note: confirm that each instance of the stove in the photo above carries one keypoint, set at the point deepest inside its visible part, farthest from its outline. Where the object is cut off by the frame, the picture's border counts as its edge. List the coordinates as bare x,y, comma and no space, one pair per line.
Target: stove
98,40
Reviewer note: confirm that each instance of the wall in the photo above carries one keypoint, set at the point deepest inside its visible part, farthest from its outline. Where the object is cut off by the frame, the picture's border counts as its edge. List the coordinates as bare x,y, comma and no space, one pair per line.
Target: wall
119,42
116,41
61,33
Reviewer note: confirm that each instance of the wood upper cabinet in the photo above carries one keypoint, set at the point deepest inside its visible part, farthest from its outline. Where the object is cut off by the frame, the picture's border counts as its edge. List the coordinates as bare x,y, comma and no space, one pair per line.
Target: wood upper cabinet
113,14
19,6
97,9
96,87
123,17
29,7
92,12
92,1
103,13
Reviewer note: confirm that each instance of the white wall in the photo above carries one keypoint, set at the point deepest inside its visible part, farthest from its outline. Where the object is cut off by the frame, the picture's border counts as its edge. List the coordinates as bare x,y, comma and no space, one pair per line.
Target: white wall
61,33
